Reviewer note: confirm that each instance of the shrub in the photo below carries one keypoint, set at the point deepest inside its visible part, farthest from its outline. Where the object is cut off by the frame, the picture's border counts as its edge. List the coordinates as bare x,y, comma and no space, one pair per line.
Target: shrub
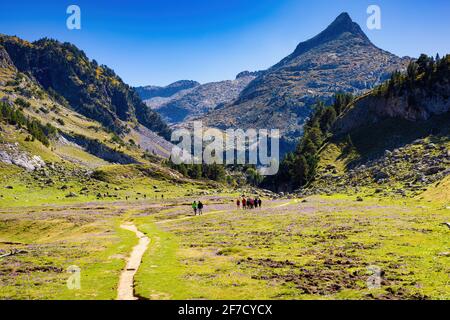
16,117
22,103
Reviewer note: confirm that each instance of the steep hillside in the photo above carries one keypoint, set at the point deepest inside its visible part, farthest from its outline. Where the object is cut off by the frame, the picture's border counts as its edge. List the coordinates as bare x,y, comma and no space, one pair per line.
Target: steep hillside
340,59
49,152
439,193
394,158
90,89
189,103
38,125
395,139
421,93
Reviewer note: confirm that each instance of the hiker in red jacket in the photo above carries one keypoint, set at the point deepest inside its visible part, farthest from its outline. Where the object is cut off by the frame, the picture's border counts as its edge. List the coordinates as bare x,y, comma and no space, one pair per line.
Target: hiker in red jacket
238,203
244,203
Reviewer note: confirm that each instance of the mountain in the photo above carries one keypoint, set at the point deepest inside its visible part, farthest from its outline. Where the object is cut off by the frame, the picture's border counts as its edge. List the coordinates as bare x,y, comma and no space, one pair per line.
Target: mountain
92,90
198,100
149,92
55,107
393,140
412,97
339,59
50,151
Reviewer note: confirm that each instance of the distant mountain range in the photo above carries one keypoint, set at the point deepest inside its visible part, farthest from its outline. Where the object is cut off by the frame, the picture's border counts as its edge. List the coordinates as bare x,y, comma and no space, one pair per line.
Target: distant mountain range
57,105
183,100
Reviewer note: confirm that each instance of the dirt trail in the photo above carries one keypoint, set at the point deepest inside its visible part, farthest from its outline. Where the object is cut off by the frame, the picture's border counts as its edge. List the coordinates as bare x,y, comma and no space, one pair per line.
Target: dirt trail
125,291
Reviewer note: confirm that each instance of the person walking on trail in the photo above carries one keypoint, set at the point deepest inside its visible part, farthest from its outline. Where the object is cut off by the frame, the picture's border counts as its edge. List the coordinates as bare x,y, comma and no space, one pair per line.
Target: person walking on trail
244,203
256,202
200,208
259,202
238,203
195,206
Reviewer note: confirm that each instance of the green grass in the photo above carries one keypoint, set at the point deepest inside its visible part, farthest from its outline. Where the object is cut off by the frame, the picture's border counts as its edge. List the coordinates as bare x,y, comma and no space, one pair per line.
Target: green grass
160,271
439,193
52,244
58,231
78,155
320,249
123,183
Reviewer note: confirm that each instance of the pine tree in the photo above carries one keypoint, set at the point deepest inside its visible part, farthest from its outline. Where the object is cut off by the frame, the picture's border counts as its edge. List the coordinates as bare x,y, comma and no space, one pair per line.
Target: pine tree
300,172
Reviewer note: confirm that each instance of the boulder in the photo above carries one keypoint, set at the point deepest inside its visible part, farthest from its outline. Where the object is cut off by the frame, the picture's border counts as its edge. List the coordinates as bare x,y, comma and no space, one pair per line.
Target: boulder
433,170
71,195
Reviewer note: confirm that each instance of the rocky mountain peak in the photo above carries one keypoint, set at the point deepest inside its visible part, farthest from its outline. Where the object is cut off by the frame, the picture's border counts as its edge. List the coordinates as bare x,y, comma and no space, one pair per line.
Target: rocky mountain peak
342,25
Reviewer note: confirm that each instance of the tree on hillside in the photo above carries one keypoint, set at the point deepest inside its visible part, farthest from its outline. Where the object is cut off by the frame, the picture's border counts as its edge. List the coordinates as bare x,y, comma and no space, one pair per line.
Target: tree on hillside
300,171
412,71
342,100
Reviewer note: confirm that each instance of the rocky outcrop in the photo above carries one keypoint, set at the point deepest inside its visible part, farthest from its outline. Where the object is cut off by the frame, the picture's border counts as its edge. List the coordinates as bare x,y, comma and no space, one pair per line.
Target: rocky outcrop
373,109
404,171
11,154
5,60
246,73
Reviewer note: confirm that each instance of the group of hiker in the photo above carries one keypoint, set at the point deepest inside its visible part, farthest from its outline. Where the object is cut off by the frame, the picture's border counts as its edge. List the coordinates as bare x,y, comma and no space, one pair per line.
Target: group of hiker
197,207
248,203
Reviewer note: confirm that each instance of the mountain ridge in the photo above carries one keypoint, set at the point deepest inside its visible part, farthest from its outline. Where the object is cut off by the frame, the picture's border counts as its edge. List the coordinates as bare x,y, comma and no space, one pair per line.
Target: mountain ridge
197,100
91,89
148,92
342,24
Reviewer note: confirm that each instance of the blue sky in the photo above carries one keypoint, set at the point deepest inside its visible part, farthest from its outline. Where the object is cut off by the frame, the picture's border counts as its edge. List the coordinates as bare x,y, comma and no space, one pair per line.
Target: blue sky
161,41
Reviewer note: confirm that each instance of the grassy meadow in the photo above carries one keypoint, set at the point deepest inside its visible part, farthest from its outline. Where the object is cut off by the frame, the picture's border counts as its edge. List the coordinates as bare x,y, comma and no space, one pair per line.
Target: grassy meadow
313,248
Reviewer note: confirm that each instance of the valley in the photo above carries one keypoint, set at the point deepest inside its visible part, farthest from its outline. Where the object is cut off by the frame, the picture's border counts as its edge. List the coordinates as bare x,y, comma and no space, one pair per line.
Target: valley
92,207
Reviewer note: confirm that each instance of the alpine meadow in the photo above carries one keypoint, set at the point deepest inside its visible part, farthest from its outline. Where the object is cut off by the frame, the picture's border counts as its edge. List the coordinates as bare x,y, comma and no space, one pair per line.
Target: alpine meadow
93,205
